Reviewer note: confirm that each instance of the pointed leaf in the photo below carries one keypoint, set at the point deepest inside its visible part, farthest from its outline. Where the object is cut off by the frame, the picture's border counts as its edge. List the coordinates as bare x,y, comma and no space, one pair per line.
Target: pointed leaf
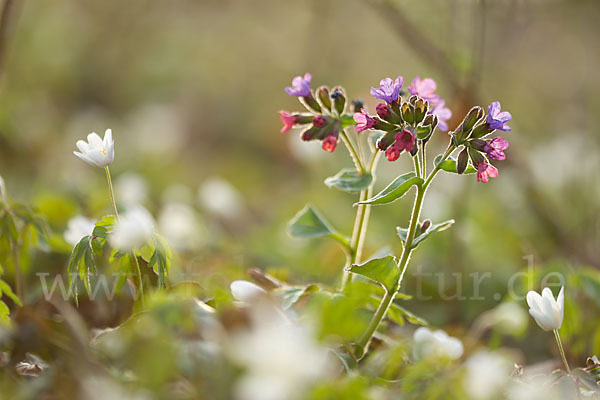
309,223
6,290
442,226
395,190
384,271
349,180
449,165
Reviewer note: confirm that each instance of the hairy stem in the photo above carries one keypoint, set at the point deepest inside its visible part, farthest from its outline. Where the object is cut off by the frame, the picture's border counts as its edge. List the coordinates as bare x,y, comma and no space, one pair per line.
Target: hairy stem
406,252
353,153
562,351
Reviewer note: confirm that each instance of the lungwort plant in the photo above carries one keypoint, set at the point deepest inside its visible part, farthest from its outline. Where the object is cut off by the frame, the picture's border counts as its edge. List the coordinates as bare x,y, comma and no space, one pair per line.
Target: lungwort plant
403,125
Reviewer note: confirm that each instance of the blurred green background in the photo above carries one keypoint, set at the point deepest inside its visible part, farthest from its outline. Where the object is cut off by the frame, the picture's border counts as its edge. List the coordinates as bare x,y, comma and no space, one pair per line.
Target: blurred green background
191,90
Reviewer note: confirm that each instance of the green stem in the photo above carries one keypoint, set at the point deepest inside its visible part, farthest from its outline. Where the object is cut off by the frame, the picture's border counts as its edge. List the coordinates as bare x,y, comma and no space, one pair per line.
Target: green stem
353,153
20,282
139,275
361,222
406,252
417,166
132,255
562,351
112,193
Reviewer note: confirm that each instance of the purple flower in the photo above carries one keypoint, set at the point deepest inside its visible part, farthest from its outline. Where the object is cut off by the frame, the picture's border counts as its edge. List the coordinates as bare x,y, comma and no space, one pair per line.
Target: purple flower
425,89
363,121
486,171
389,90
300,86
497,119
495,148
443,114
329,143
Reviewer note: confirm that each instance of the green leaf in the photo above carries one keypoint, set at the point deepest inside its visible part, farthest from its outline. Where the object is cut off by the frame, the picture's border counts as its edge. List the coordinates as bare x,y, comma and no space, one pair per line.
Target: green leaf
309,223
7,290
396,311
395,190
442,226
587,380
349,180
384,271
4,313
291,295
449,165
8,227
160,261
81,263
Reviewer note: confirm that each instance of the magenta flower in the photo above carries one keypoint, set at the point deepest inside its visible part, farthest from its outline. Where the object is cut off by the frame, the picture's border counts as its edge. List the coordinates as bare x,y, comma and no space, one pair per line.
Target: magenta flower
405,140
300,86
443,114
495,148
329,143
363,121
289,120
497,119
383,110
389,90
486,171
425,89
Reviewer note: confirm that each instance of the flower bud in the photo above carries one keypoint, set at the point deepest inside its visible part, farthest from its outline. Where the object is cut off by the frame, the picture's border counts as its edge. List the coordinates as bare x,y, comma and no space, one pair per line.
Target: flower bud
421,108
476,157
463,131
481,130
357,105
431,120
408,113
311,104
386,140
426,224
323,97
463,161
310,133
339,99
477,144
319,122
383,111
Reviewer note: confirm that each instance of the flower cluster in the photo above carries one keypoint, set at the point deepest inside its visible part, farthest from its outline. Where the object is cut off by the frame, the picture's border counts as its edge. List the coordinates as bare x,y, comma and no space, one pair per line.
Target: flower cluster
471,135
325,111
403,125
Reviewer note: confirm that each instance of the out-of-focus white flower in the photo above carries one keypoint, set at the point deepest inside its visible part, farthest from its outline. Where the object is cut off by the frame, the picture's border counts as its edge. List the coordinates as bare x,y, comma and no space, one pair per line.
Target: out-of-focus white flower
78,227
542,386
3,190
510,317
220,197
104,388
131,189
436,344
281,358
547,312
487,374
245,291
97,152
133,230
180,226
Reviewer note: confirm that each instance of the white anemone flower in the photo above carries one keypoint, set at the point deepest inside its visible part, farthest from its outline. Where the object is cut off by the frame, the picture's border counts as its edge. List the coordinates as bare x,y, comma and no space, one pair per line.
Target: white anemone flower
436,344
78,227
487,374
547,312
97,152
134,229
245,291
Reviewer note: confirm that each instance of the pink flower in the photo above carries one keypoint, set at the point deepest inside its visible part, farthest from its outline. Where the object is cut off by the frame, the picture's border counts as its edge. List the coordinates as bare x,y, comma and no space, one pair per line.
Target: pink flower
486,171
383,110
495,148
425,89
363,121
329,143
289,120
404,141
443,114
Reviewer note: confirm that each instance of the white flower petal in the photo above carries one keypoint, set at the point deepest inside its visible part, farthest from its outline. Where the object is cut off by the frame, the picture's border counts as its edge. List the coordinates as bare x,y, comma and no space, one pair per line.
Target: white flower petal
83,146
542,320
534,300
560,300
245,291
85,158
94,141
